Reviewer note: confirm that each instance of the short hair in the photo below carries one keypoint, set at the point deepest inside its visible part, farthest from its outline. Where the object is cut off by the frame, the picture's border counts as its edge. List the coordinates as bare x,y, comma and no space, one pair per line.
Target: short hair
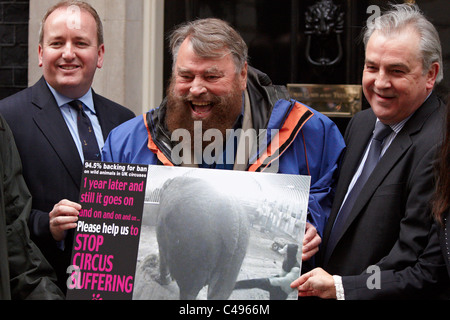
403,16
83,6
209,38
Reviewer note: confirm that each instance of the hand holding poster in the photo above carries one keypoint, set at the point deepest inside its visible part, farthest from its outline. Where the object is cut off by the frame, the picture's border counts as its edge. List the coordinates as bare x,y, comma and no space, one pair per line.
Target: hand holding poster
155,232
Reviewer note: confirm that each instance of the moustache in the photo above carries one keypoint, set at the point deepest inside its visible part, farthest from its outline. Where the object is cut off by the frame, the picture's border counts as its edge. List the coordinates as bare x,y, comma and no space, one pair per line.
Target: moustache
206,99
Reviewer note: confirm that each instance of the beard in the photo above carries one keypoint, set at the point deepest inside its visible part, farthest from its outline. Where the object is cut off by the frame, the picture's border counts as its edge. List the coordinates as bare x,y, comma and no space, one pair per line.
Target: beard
225,111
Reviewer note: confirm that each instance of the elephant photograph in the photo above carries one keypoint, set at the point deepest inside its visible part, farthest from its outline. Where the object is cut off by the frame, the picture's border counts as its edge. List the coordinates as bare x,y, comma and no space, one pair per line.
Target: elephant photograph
218,235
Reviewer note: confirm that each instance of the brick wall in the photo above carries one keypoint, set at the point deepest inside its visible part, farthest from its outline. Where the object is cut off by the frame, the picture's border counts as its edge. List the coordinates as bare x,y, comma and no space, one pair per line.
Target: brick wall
14,16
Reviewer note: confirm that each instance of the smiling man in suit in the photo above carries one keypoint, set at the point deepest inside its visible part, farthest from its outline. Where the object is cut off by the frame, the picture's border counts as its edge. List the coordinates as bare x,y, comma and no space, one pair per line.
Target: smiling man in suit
45,124
383,245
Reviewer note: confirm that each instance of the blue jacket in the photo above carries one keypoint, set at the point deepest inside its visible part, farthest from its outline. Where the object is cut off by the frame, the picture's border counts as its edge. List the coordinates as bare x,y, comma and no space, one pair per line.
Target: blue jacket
309,144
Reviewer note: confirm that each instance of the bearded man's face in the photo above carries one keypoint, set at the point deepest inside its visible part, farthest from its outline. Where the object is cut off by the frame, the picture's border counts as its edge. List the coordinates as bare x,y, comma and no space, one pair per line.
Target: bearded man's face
207,90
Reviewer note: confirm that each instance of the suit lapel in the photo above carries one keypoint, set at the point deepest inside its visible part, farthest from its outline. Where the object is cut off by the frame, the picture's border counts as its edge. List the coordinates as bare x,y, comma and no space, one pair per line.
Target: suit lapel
395,152
101,109
50,121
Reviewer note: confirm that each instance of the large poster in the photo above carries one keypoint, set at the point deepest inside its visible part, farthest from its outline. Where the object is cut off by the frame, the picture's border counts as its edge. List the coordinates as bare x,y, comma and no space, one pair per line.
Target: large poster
107,235
202,234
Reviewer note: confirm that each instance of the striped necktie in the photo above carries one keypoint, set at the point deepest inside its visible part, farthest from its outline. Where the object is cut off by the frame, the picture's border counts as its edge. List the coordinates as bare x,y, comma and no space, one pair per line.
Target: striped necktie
88,140
380,133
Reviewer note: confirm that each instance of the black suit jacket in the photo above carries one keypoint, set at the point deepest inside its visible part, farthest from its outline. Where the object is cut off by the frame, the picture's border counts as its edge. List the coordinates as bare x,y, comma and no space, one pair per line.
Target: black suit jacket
52,167
390,225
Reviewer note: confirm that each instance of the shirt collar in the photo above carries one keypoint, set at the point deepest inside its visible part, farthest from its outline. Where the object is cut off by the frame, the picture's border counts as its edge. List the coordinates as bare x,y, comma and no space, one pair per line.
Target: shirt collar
62,100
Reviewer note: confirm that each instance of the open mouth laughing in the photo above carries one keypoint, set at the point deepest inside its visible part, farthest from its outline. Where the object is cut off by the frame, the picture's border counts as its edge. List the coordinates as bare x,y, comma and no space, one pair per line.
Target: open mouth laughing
201,109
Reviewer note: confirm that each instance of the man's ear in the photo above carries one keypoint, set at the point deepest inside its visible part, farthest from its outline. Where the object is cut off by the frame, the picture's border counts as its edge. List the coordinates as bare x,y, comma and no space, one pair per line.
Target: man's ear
432,75
243,77
101,55
40,54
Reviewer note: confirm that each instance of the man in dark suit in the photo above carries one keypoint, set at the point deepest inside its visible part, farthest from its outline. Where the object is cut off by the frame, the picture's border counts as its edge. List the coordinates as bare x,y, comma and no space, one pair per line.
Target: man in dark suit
45,125
384,245
24,272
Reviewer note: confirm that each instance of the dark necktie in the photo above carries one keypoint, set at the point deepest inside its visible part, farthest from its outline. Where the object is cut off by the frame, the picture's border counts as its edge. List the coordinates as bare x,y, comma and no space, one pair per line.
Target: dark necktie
380,133
86,133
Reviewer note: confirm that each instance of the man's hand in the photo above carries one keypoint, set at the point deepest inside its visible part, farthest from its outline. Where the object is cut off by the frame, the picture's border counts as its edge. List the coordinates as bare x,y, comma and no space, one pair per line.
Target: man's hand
63,217
317,283
311,242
